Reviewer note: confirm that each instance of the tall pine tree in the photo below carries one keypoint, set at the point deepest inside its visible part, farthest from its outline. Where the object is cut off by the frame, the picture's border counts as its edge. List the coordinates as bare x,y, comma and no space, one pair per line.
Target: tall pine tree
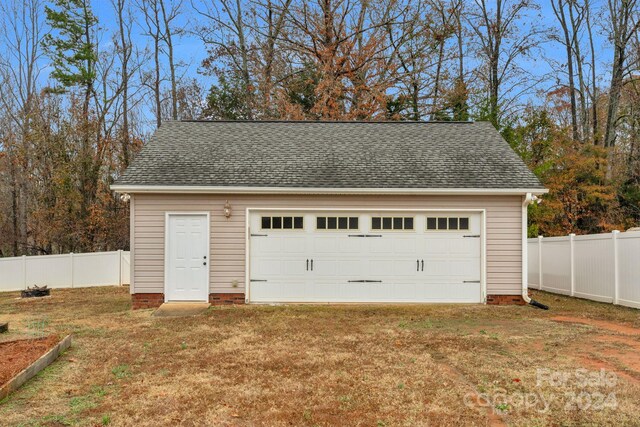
73,52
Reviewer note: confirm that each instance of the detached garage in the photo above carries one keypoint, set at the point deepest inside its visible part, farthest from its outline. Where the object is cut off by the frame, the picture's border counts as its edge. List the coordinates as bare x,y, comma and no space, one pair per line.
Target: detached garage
328,212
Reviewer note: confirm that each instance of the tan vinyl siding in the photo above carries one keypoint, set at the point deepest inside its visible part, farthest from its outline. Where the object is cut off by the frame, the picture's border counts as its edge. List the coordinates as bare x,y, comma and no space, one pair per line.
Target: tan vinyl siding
504,232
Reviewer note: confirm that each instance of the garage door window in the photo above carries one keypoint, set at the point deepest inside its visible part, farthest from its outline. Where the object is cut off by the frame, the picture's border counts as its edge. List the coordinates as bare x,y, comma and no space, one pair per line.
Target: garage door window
391,223
282,223
337,223
447,223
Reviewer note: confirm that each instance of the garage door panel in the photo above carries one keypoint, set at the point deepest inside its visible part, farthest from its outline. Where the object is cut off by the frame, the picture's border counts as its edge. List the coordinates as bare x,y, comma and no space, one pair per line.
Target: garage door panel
399,269
293,267
278,267
454,292
349,267
402,292
352,292
333,266
350,245
403,245
374,292
294,245
323,291
452,247
377,245
278,291
324,244
265,245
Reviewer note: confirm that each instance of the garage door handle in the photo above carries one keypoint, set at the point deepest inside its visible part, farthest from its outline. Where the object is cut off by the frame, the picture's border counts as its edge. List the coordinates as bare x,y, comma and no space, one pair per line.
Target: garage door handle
365,235
417,265
311,265
307,265
365,281
422,265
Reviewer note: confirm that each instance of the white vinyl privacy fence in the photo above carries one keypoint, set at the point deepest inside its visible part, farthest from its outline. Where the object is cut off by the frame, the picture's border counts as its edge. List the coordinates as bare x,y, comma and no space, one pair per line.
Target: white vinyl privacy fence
65,271
599,267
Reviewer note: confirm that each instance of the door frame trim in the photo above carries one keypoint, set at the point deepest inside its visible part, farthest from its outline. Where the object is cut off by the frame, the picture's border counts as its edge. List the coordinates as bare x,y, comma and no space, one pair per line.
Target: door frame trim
483,234
167,215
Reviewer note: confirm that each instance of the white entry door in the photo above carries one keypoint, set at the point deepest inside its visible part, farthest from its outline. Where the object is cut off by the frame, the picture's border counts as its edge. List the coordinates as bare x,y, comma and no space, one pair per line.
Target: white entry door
365,257
187,257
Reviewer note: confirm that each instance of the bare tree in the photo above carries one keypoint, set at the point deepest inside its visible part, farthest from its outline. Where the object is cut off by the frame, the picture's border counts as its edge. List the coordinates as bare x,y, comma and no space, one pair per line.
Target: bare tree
153,29
271,18
624,22
169,16
125,49
345,41
443,29
224,32
411,49
593,90
568,40
21,33
504,35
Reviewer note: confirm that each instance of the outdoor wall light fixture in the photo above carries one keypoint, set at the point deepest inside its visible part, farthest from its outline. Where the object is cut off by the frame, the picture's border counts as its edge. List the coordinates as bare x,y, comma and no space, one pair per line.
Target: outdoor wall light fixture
125,197
227,209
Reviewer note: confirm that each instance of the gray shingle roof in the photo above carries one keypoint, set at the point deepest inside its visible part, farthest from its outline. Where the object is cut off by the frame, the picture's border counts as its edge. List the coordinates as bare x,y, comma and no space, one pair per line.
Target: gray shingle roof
426,155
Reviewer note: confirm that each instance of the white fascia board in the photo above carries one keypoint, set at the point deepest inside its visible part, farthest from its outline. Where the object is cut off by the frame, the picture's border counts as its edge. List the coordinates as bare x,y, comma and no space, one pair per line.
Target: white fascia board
299,190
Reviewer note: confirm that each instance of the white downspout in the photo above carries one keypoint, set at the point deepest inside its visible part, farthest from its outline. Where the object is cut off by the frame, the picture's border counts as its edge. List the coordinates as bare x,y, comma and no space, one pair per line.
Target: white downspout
528,199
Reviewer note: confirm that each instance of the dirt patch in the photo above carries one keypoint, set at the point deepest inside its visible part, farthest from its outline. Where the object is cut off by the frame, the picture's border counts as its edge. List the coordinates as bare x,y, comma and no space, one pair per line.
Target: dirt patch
625,348
18,355
617,350
601,324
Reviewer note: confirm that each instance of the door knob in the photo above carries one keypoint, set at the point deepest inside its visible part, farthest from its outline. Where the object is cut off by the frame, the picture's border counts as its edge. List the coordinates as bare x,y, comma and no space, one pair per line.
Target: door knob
204,263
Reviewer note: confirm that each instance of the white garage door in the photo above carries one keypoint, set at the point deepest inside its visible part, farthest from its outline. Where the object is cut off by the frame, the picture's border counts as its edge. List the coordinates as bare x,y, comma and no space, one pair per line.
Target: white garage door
365,257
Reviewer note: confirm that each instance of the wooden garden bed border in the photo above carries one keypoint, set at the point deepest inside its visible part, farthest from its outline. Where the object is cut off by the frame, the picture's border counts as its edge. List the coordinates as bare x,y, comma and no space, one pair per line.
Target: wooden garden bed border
29,372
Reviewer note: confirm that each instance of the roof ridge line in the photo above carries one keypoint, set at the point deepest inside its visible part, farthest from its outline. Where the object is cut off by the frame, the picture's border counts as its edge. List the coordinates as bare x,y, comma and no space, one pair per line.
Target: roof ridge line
426,122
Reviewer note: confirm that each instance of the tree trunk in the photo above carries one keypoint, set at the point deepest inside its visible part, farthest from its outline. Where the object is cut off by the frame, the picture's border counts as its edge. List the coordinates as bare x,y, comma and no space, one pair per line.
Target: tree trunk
156,62
558,9
575,25
172,67
126,48
14,208
244,56
594,88
617,72
436,83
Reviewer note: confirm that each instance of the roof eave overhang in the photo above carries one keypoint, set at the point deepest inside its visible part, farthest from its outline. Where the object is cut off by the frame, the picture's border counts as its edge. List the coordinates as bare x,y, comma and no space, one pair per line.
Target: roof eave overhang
162,189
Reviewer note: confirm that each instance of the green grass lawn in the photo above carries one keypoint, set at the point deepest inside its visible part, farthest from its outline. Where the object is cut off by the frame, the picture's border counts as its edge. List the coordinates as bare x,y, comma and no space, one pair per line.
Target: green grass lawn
373,365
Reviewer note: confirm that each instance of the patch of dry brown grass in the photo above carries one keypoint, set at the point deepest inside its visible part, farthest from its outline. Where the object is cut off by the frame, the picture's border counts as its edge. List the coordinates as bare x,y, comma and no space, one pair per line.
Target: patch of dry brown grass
308,365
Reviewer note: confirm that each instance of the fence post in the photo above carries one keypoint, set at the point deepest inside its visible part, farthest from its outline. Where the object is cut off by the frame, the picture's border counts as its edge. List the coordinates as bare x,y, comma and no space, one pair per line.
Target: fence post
540,262
71,258
119,267
616,273
24,271
573,268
